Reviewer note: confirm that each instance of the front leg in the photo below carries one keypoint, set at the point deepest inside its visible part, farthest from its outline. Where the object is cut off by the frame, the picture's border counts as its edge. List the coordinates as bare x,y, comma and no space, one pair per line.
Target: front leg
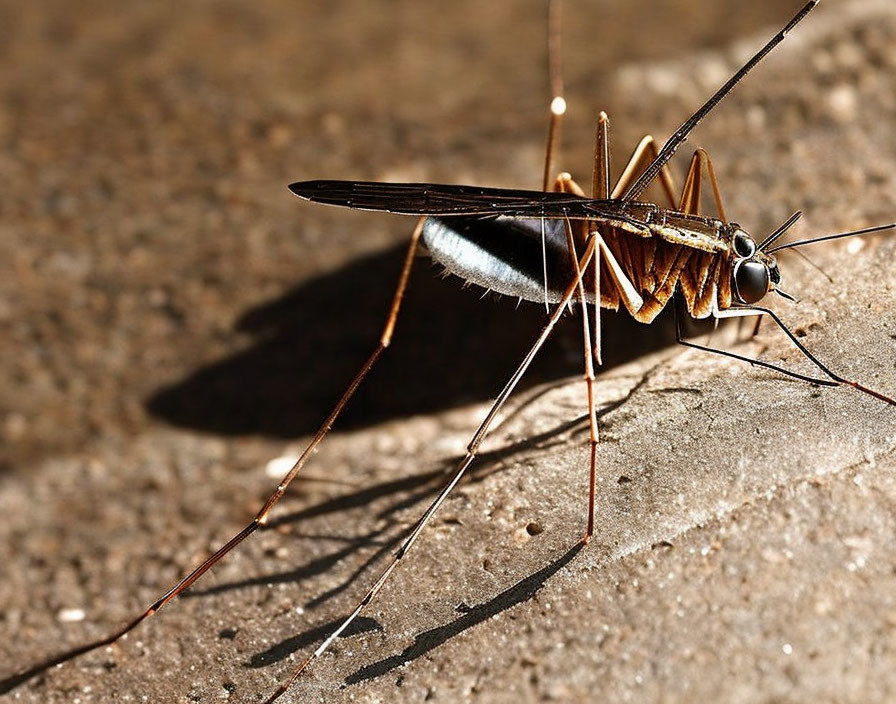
832,379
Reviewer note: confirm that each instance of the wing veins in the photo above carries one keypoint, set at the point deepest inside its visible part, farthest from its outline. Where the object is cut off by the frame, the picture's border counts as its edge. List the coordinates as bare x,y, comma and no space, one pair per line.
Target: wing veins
446,200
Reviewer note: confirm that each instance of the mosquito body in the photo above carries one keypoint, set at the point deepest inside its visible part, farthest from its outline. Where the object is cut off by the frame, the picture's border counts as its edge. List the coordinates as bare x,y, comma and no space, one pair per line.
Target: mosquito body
514,242
558,246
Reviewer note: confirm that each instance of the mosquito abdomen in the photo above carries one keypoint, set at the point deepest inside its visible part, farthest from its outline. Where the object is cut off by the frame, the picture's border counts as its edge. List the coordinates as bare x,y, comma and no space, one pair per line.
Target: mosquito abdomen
504,255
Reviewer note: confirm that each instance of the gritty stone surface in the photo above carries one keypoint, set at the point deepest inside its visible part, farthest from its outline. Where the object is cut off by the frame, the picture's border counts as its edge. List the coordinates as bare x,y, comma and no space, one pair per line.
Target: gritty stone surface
173,320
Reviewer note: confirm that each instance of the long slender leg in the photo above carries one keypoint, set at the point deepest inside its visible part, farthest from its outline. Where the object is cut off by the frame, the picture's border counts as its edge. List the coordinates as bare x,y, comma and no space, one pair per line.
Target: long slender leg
589,382
262,516
558,109
600,177
600,189
693,185
600,183
558,103
565,184
627,290
472,448
832,380
743,358
644,155
807,354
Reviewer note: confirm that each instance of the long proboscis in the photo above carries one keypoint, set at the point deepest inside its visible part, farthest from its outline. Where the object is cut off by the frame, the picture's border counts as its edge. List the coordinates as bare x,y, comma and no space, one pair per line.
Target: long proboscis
839,235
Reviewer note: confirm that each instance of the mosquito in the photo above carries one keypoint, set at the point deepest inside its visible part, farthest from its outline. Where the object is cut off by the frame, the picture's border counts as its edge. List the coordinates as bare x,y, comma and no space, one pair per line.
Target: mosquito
559,246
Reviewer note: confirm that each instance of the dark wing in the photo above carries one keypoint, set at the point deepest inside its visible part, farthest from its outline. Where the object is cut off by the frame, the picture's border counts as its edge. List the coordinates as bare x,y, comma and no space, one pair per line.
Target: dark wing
447,200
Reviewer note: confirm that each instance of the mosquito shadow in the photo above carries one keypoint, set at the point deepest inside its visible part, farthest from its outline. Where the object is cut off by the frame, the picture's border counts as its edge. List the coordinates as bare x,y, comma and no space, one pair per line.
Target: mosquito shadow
450,348
520,592
404,493
423,643
284,649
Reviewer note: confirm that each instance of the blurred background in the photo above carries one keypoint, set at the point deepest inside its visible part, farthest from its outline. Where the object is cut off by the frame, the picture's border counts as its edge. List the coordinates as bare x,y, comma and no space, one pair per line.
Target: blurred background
154,267
170,314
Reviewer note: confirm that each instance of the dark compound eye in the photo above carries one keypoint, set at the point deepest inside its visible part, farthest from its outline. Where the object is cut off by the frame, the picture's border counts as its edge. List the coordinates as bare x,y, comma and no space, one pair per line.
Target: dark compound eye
743,245
774,274
750,281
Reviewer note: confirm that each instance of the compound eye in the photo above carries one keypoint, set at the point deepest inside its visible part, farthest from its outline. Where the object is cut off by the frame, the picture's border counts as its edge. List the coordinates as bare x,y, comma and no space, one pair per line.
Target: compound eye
751,281
744,246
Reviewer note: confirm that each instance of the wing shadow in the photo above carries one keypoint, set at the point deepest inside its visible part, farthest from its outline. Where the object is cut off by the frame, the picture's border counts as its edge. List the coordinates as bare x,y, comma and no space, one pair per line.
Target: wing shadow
450,348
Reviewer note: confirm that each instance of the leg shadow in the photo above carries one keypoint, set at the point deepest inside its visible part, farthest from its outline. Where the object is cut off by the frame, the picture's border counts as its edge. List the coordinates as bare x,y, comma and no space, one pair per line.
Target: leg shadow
520,592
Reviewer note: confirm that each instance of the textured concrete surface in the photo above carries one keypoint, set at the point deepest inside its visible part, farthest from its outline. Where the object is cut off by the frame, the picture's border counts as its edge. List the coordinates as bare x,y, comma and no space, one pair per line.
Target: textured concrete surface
172,319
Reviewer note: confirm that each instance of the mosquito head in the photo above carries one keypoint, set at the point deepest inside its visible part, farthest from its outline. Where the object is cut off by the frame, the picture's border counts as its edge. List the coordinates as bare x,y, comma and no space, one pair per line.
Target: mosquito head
754,273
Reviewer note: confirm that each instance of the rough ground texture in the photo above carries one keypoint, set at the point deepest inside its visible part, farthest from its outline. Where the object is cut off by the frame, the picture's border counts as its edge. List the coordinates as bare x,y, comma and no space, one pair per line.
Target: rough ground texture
171,319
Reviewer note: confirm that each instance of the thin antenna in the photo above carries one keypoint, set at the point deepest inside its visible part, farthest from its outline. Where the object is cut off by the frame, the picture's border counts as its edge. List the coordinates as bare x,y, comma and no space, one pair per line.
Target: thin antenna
784,227
681,134
815,266
558,108
825,238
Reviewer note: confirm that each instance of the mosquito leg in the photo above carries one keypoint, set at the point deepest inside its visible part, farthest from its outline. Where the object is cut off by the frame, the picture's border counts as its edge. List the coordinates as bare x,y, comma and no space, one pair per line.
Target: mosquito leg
600,177
600,189
472,448
600,185
693,186
595,290
566,184
262,516
626,289
744,311
558,103
562,183
805,352
743,358
755,331
589,382
558,109
644,155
